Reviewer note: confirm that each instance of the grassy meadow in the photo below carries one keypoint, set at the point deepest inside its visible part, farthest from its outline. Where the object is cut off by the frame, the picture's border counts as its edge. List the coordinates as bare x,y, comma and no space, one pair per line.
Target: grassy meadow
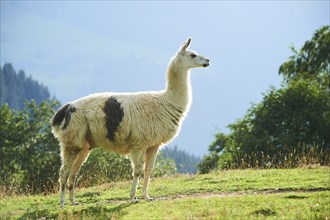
301,193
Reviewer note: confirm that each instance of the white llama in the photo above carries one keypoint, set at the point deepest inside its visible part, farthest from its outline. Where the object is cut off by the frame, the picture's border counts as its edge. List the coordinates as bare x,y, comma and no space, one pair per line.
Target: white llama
134,124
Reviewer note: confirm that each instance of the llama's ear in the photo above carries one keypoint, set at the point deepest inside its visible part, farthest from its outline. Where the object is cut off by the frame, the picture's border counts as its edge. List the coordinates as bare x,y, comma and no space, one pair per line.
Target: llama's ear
185,45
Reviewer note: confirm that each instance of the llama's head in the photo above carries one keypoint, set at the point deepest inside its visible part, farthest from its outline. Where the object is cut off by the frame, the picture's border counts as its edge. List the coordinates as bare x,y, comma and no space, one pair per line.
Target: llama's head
191,59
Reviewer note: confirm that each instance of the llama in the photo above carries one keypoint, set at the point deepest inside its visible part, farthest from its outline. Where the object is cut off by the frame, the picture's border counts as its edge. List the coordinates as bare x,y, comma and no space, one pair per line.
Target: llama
131,124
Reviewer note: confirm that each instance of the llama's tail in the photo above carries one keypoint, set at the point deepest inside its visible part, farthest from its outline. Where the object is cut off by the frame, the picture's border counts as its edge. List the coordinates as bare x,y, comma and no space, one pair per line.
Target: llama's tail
64,113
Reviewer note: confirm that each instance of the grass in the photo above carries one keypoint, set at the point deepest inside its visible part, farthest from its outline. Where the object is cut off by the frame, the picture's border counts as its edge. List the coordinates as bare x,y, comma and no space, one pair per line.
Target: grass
302,193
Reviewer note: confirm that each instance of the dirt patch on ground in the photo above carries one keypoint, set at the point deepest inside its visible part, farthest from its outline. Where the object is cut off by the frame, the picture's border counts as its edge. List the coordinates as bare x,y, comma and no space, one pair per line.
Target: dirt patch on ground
207,195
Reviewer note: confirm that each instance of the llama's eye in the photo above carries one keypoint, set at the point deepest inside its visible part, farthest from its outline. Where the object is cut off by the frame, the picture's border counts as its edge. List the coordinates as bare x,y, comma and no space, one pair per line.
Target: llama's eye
193,55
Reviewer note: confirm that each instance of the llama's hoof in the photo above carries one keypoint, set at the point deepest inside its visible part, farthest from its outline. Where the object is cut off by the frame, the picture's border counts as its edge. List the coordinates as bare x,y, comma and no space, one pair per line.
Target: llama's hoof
135,200
74,203
147,198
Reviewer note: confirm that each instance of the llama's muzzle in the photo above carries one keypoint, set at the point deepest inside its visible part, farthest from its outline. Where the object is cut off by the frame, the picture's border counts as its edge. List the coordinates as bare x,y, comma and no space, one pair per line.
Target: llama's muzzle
206,64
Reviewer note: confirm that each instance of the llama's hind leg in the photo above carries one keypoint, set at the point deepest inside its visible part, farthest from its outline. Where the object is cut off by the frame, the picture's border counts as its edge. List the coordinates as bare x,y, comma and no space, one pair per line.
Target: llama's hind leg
81,158
68,157
64,174
137,158
150,159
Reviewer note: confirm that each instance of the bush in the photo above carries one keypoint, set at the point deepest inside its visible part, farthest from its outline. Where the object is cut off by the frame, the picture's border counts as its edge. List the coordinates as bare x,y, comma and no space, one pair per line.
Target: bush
29,153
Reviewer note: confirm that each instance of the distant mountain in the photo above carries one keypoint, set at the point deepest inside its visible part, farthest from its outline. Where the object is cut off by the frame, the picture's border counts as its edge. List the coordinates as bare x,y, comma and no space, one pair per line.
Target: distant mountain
185,162
15,88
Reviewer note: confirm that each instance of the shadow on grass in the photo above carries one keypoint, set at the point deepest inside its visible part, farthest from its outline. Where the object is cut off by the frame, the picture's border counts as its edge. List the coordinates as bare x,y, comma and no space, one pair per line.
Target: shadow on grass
98,212
83,211
296,197
264,212
38,214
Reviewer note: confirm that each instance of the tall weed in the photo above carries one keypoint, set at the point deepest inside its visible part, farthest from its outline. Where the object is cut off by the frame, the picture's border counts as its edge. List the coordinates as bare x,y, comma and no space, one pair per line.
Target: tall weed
284,158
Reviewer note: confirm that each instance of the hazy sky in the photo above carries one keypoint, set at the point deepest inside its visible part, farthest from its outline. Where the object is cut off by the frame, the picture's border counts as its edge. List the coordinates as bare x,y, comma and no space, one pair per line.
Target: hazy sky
81,47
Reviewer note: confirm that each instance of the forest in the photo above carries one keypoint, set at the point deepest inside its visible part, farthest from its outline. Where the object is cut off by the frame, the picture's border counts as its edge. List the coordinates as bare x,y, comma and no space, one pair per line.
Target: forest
289,128
16,87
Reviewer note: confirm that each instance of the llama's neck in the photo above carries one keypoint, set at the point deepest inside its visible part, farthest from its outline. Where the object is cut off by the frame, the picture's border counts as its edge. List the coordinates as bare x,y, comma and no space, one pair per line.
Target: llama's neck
178,88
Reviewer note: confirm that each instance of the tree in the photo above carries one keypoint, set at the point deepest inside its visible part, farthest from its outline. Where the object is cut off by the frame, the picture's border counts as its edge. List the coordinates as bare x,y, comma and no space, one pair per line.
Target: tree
29,152
295,115
311,61
3,88
16,88
293,118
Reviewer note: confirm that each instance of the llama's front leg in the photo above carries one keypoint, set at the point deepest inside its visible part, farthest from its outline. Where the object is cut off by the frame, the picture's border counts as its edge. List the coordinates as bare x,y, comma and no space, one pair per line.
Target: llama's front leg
150,159
137,158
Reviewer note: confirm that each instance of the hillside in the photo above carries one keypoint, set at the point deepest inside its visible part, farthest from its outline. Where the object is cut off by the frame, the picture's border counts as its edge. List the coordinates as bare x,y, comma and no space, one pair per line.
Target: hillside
16,87
302,193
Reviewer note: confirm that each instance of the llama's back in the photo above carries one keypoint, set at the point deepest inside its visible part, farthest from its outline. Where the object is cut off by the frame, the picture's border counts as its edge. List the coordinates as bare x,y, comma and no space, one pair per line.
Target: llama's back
121,122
